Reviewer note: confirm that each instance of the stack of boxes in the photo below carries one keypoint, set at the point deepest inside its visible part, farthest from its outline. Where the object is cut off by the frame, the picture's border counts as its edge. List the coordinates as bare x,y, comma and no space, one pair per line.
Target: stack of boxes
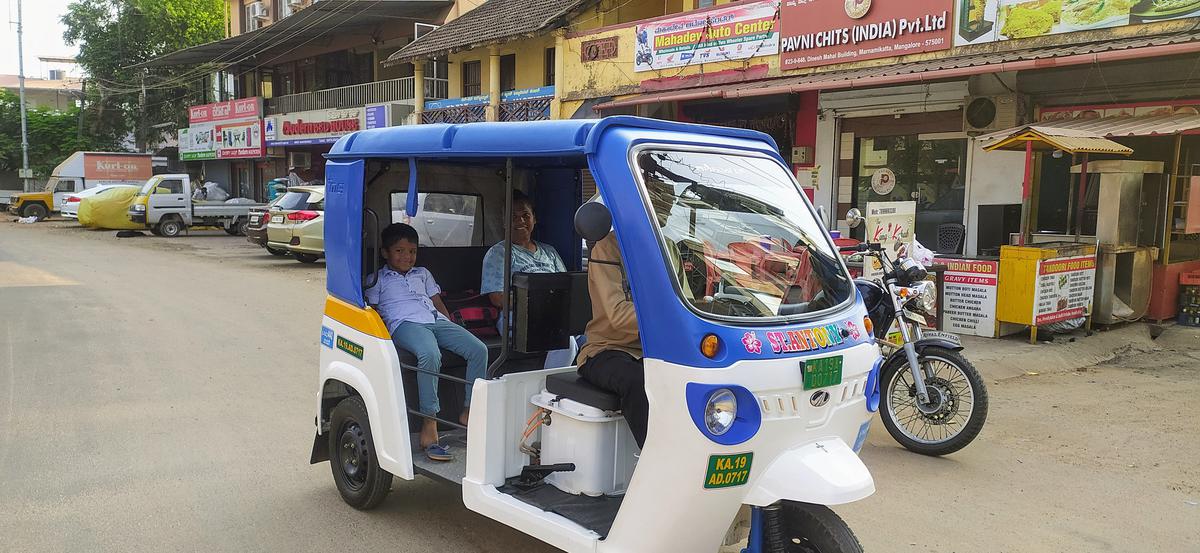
1189,299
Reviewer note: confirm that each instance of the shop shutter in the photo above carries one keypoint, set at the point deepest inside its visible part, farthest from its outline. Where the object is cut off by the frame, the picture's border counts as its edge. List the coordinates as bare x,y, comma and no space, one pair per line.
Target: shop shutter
589,184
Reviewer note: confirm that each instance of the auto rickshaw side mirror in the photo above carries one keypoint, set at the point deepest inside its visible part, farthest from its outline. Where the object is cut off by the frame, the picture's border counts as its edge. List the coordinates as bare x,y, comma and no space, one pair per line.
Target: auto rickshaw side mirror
593,221
854,217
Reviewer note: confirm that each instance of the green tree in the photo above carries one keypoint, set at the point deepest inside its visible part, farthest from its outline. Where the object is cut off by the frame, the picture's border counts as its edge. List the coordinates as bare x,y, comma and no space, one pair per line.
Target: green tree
53,135
114,36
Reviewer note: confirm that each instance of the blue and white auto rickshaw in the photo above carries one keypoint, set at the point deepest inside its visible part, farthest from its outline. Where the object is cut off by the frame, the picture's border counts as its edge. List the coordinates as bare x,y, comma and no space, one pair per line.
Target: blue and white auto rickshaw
760,365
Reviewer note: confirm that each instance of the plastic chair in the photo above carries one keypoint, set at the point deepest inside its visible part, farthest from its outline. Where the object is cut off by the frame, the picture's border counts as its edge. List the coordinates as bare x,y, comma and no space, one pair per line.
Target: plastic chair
950,237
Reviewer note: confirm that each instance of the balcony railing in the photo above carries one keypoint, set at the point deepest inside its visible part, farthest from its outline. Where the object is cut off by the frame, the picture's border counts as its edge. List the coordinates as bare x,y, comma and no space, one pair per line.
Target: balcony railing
356,95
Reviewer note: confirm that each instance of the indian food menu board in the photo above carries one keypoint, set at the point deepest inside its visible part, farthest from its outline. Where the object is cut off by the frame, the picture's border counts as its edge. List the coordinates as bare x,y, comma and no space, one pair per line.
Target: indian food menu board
980,21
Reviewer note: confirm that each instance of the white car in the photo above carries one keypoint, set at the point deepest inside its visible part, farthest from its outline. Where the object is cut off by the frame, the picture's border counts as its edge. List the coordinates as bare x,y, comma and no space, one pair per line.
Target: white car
70,204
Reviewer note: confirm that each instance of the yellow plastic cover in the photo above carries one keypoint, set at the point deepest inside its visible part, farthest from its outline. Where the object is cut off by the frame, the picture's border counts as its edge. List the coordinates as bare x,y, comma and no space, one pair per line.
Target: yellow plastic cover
109,210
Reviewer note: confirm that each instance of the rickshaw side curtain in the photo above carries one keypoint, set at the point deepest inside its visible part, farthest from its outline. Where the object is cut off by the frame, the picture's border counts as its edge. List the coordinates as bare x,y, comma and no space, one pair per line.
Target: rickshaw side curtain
344,230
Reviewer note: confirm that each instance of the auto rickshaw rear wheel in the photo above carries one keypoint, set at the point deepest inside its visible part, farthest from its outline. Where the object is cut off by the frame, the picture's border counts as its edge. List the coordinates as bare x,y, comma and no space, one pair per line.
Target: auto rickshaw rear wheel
356,471
810,528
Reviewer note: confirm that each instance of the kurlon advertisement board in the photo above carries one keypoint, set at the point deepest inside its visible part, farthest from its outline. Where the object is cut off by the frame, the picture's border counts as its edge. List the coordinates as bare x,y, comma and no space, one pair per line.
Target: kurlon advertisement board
743,30
824,32
224,130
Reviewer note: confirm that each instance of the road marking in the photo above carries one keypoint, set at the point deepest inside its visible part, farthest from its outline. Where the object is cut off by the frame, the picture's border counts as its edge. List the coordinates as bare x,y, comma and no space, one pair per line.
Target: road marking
14,275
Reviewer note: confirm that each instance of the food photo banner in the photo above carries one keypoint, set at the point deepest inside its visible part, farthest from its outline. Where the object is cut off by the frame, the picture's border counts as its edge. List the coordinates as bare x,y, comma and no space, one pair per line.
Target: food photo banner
983,21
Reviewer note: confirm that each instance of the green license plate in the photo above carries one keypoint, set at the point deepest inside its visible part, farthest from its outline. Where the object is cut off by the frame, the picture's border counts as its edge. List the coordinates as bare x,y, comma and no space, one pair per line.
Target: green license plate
727,471
820,373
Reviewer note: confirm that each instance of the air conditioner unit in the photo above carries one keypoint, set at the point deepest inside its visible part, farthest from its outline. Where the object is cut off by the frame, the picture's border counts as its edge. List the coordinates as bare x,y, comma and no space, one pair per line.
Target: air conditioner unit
983,114
299,160
259,10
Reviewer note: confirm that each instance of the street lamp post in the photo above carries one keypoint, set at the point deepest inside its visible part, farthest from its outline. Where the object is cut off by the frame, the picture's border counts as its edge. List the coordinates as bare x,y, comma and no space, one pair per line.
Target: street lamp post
25,175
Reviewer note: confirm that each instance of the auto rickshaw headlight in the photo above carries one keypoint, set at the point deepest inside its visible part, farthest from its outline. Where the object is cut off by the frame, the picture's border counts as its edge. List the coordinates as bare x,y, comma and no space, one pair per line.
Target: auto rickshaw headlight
720,411
709,345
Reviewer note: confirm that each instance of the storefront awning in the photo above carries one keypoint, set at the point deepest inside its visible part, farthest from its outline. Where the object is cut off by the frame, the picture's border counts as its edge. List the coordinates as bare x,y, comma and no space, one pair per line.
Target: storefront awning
1090,135
1052,138
939,69
322,19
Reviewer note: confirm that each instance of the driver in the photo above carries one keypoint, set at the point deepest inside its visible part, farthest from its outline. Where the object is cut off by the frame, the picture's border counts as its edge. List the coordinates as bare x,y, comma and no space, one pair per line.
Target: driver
611,358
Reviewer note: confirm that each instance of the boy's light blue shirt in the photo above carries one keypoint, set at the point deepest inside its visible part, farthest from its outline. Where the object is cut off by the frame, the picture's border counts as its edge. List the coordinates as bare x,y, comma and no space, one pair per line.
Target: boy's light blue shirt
401,297
544,260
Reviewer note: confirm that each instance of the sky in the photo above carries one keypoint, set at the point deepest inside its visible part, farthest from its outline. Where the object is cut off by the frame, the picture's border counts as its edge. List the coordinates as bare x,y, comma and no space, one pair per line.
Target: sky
43,35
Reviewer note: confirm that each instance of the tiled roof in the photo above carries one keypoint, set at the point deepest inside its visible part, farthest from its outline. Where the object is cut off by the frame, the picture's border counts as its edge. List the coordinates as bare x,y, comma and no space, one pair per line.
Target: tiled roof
494,21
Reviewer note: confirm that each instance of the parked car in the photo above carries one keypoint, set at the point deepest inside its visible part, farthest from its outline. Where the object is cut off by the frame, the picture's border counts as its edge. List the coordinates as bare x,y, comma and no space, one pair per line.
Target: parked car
70,205
298,224
256,228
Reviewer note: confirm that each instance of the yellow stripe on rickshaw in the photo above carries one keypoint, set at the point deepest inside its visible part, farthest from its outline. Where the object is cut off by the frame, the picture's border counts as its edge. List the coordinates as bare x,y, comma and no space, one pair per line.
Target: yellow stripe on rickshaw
364,320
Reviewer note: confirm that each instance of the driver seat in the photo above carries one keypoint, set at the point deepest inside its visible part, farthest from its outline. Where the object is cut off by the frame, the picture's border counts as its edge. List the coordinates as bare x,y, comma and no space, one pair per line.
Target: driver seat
573,387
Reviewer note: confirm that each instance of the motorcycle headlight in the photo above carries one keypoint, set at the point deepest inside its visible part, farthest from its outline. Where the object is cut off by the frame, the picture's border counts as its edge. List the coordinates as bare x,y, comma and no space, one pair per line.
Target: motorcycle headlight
928,298
720,411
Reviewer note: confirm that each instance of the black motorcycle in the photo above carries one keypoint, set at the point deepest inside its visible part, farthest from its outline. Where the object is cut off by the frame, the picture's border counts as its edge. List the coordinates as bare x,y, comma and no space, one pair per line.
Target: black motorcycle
941,407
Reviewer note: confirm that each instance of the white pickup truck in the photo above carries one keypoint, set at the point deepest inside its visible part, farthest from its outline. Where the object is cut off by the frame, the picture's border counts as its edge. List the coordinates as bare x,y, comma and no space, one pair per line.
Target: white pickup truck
165,205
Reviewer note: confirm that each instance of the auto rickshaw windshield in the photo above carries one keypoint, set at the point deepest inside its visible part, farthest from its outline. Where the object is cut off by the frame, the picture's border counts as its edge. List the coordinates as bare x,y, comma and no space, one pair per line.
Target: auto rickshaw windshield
739,237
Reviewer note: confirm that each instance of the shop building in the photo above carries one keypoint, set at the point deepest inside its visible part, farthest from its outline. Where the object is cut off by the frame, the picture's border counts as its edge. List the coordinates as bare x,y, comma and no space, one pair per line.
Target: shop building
316,69
223,143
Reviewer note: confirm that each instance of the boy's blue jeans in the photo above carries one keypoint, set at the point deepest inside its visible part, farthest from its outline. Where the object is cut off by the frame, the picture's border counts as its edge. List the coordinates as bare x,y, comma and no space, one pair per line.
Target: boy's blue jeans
424,341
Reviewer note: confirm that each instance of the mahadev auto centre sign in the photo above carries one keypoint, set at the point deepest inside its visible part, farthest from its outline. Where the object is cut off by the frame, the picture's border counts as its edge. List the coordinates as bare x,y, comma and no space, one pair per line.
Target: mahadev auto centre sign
323,126
224,130
823,32
740,31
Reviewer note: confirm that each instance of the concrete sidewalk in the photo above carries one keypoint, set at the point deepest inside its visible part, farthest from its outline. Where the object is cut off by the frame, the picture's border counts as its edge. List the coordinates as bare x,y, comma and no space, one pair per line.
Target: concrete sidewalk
1013,356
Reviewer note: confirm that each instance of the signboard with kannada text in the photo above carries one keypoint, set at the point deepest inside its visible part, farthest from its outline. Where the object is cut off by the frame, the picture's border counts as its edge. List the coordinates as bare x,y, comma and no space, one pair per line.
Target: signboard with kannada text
740,31
824,32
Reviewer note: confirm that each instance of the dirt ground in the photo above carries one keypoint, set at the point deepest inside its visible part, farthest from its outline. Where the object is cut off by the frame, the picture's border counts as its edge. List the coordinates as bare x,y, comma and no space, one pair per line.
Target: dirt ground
202,444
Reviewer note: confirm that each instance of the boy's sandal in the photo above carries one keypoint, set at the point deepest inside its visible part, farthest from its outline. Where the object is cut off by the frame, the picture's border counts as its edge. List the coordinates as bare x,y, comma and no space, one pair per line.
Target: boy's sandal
438,452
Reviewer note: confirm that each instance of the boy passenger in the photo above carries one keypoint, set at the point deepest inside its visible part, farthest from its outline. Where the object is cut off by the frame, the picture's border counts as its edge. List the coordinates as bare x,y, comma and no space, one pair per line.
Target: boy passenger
408,300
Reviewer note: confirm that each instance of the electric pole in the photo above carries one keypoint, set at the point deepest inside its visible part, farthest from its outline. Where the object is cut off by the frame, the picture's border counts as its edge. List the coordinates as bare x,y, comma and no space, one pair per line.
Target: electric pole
21,84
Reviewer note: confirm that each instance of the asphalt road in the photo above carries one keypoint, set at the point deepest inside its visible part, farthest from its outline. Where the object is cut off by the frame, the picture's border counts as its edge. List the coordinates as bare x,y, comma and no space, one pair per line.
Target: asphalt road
157,395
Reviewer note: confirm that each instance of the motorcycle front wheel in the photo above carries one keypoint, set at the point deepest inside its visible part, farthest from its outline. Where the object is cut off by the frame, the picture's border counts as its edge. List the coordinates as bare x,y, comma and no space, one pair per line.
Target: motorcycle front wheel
956,411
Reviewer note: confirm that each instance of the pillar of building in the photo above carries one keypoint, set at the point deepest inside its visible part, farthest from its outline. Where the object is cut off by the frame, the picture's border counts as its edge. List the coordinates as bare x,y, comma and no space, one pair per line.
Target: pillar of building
418,89
493,111
560,51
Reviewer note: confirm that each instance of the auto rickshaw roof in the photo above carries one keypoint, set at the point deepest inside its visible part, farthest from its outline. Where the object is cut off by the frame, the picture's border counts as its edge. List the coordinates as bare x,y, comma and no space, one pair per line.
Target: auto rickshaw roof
541,139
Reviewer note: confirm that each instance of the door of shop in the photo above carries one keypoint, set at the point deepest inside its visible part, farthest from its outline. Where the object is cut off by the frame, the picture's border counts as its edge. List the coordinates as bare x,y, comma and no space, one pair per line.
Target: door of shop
919,157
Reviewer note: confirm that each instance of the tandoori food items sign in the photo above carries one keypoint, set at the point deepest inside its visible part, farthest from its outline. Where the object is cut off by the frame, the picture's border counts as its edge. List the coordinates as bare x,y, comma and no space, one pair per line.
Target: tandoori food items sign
1063,289
744,30
824,32
981,21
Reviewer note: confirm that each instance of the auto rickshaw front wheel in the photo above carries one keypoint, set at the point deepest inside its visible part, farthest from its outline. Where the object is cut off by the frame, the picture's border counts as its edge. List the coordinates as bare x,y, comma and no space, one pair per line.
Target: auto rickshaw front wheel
809,528
356,471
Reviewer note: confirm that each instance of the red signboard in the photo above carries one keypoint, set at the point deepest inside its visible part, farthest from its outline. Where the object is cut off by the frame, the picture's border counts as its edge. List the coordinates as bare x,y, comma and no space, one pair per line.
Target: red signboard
824,32
117,167
246,108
